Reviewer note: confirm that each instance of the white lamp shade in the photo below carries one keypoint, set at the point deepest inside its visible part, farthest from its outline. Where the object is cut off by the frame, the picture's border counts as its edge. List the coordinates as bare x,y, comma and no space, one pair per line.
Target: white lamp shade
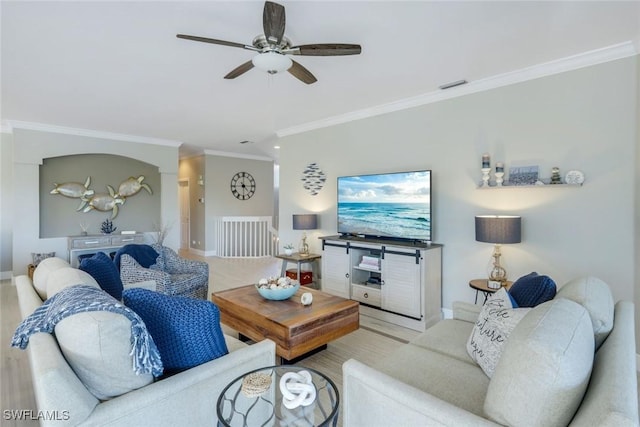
272,62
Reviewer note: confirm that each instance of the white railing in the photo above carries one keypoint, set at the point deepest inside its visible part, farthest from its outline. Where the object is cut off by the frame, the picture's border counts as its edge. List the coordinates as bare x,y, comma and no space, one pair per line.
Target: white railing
245,237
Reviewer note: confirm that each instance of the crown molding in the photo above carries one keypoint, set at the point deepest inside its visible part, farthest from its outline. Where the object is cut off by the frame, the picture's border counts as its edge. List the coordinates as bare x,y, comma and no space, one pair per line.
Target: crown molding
237,155
43,127
586,59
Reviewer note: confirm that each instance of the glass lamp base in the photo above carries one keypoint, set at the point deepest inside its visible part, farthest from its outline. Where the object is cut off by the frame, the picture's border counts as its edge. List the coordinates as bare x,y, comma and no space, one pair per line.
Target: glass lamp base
497,273
304,247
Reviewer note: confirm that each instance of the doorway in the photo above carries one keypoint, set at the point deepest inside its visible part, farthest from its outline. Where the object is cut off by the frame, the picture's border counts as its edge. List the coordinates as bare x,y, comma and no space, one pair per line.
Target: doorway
185,216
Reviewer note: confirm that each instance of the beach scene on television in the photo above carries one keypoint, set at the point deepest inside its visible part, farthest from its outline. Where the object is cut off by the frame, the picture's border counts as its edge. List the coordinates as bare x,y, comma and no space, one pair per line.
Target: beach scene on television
394,205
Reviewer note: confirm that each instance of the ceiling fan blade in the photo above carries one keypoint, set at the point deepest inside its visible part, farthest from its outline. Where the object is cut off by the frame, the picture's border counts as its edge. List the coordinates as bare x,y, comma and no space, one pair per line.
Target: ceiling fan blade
301,73
325,49
273,22
215,41
238,71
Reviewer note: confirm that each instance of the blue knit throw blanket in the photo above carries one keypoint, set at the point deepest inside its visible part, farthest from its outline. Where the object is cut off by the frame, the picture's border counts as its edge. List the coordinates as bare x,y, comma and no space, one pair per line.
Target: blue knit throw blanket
83,298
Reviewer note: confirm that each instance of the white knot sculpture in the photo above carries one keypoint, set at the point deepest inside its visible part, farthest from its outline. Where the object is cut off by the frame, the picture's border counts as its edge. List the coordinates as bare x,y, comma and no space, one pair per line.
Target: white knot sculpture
297,389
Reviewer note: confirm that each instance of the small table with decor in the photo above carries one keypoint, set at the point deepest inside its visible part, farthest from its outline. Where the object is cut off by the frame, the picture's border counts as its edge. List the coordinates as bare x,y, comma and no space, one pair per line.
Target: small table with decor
255,399
312,259
482,285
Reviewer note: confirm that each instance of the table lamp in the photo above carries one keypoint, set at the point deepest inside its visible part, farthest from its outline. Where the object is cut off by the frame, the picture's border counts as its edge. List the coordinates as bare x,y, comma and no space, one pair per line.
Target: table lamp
304,222
498,229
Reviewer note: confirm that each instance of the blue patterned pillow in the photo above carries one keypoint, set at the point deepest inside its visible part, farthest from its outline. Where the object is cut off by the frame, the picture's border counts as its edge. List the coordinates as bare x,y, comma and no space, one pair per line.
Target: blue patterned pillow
101,268
533,289
186,331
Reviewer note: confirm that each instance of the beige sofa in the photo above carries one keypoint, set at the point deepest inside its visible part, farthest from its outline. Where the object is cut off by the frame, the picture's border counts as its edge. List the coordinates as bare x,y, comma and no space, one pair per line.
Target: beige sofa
187,398
547,375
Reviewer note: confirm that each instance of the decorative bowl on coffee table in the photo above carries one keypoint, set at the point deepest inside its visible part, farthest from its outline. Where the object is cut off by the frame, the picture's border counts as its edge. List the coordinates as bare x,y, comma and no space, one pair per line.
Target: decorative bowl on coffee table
278,293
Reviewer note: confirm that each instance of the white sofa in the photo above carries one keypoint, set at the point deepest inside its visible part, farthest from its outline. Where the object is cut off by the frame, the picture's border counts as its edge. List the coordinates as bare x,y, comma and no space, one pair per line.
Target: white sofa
547,375
187,398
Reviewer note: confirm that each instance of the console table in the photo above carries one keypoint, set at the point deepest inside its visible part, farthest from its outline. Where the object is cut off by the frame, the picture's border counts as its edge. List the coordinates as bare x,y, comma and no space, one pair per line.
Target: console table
107,243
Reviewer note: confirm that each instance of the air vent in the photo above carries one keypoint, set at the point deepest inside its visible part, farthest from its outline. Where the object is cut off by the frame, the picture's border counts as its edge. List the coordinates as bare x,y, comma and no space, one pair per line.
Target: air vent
453,84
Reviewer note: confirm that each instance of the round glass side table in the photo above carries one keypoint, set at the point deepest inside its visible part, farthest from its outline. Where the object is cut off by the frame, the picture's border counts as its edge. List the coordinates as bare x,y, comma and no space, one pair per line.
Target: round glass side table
236,409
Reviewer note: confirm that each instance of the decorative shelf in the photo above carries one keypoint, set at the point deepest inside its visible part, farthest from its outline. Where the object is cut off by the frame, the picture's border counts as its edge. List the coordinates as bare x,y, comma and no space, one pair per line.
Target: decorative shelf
506,185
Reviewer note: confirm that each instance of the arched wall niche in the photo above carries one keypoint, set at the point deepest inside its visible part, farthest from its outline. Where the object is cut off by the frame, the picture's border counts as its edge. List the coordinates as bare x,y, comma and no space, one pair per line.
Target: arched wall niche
59,215
31,147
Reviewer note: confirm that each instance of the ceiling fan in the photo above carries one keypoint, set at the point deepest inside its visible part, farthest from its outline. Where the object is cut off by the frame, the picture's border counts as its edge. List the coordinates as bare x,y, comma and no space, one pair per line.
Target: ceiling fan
274,48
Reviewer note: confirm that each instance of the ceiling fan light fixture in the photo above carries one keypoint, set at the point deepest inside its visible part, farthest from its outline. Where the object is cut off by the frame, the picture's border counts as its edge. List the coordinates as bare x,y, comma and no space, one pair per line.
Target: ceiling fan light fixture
272,62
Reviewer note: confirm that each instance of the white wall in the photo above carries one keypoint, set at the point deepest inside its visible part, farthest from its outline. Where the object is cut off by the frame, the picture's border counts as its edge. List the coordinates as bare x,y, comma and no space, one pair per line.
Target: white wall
584,119
30,147
6,201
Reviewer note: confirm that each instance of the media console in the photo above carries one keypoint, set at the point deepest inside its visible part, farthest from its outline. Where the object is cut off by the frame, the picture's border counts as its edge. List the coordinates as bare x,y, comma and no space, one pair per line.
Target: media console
395,281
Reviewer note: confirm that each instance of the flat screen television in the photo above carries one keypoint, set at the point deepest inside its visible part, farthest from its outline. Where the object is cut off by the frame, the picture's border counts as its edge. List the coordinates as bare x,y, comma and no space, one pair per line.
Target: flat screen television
389,205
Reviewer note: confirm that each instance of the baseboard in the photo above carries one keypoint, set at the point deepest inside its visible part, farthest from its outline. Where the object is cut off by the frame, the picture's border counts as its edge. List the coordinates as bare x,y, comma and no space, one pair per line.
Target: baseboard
396,319
4,275
202,253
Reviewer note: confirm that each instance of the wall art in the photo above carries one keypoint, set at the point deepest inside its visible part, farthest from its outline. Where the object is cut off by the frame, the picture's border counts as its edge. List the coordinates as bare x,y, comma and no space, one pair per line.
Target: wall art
523,175
313,178
103,202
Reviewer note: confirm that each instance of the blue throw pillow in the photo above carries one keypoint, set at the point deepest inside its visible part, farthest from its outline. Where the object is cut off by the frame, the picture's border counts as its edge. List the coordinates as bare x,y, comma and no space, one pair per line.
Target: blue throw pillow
144,255
533,289
186,331
101,268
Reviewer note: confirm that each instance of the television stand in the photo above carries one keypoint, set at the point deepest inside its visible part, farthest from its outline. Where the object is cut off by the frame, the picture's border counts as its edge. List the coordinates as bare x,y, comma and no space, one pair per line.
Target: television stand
395,281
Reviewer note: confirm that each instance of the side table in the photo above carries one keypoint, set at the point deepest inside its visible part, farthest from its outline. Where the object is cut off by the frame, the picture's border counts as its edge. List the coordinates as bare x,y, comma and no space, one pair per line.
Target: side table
249,407
298,259
482,285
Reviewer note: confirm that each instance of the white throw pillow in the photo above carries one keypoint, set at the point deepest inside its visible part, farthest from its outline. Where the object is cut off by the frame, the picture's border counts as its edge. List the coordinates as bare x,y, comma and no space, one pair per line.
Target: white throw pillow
42,273
545,367
68,276
492,329
97,345
594,295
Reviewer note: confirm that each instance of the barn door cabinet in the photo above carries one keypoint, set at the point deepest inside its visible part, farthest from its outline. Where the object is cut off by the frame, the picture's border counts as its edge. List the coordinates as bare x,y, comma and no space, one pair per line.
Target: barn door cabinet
397,282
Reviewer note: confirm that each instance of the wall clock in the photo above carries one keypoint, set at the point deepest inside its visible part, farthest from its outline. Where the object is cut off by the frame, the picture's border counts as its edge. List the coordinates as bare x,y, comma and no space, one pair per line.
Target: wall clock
243,186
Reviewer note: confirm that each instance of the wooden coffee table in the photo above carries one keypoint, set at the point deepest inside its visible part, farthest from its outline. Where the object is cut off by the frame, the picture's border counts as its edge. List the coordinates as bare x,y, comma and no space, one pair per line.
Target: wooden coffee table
296,329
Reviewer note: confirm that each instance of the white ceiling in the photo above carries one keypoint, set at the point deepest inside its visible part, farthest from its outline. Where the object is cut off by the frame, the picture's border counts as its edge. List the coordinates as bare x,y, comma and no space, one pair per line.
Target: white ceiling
118,66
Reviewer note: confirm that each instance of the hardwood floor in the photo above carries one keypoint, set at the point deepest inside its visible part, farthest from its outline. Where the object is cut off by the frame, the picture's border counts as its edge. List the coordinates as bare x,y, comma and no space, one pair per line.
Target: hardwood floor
15,374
